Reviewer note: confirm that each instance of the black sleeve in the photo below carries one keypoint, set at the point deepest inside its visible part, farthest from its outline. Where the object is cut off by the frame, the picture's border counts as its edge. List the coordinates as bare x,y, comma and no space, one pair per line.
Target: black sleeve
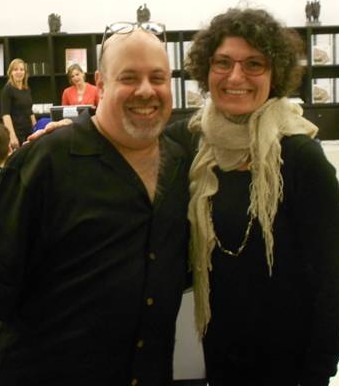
20,216
5,101
317,217
178,132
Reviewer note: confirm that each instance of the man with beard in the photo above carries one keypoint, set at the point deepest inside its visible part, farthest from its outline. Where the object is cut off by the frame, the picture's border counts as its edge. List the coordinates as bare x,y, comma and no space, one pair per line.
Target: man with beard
94,234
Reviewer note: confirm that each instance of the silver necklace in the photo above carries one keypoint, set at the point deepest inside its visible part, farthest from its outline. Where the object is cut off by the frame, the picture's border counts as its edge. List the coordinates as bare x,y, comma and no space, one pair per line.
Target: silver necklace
218,242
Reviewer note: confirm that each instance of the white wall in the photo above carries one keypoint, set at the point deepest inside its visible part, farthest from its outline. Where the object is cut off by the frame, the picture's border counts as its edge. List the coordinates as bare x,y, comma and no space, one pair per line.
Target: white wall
30,17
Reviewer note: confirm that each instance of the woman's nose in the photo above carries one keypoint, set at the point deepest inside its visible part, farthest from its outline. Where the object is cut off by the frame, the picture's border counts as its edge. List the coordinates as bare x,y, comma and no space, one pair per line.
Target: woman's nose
237,71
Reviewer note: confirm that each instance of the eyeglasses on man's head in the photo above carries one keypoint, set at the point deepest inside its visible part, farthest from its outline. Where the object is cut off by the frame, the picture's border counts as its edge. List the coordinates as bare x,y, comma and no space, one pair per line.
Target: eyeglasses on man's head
125,27
252,66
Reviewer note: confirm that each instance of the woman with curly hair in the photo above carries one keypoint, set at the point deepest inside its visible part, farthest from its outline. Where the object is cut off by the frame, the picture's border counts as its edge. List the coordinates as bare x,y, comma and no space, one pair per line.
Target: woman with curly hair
264,211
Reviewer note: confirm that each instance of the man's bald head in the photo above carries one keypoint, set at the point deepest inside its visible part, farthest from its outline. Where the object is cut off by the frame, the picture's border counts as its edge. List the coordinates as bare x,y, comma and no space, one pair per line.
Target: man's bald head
119,43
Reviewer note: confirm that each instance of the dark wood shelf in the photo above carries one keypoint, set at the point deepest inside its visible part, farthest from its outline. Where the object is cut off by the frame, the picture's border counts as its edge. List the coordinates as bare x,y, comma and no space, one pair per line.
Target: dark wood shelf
49,49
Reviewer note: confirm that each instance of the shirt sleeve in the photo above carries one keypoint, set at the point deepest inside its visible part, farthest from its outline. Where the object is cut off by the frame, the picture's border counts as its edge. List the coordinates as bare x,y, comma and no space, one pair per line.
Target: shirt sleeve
6,101
20,216
317,198
65,100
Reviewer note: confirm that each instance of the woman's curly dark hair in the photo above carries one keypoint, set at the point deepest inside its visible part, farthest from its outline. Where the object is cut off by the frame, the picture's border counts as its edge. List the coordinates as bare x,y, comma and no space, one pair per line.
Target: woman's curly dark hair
283,46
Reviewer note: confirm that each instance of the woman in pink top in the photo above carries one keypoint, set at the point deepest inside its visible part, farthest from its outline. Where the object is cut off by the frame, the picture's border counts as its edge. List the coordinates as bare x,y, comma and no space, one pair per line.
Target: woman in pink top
80,92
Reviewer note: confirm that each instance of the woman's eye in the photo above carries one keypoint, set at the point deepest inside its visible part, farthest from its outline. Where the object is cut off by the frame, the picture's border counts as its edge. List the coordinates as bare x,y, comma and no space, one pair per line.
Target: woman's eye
225,63
255,64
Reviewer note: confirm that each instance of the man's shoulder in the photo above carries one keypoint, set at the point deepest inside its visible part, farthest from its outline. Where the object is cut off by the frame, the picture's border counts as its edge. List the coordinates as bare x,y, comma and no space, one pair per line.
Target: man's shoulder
49,146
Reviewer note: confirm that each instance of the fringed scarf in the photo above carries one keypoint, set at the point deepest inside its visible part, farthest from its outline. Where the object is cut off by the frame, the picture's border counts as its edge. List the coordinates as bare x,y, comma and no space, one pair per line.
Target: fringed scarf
229,145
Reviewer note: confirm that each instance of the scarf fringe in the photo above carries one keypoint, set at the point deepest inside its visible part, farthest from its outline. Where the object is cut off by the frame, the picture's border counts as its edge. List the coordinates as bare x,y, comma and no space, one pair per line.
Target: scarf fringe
227,144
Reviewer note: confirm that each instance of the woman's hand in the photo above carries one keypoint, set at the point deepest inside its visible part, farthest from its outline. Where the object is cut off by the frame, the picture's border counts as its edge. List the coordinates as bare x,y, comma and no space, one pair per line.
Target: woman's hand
14,142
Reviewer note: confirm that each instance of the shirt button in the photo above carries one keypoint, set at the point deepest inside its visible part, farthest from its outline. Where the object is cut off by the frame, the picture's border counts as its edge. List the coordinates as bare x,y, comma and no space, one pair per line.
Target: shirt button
152,256
134,382
150,301
140,343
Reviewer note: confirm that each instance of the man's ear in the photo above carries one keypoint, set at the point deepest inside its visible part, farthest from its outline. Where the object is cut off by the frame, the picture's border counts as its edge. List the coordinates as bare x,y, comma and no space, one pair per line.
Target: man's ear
10,149
99,82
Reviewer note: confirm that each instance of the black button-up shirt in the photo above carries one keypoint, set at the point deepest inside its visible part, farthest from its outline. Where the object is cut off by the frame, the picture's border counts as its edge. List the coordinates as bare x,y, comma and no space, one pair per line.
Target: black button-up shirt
91,272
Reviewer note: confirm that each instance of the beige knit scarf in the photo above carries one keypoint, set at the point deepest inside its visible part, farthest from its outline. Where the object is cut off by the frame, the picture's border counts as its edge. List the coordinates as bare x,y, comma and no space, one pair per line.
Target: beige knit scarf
229,145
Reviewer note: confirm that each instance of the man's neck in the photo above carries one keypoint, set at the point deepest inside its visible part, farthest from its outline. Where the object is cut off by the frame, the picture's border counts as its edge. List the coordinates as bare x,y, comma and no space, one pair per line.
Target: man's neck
146,163
144,160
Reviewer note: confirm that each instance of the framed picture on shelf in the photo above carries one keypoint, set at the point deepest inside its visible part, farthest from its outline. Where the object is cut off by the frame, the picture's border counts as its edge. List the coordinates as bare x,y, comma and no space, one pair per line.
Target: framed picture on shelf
323,90
322,49
336,48
173,50
98,53
187,45
176,92
76,55
336,90
2,60
194,97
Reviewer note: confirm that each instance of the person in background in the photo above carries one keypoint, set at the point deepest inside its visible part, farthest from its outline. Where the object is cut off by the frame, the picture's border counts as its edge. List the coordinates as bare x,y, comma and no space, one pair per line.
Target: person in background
16,103
94,263
5,145
80,92
264,212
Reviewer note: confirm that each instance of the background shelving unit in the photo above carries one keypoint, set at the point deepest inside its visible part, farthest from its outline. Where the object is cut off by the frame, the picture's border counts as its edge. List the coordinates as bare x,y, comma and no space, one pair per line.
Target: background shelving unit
325,114
45,55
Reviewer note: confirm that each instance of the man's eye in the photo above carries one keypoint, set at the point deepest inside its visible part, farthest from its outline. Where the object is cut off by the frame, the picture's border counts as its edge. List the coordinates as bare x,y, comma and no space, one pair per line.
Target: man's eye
158,79
127,79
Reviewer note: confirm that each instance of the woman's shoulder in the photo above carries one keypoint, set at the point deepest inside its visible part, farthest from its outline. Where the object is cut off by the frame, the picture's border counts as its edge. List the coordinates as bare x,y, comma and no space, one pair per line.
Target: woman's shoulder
8,87
306,155
69,88
91,86
300,144
179,132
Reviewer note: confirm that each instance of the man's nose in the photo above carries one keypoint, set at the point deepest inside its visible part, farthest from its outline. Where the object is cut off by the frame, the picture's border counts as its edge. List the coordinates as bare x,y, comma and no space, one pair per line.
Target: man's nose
145,88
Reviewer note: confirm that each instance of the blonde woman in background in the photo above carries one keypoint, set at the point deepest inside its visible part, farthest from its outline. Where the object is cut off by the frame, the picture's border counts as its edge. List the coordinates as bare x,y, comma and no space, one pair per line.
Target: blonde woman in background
80,92
16,103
